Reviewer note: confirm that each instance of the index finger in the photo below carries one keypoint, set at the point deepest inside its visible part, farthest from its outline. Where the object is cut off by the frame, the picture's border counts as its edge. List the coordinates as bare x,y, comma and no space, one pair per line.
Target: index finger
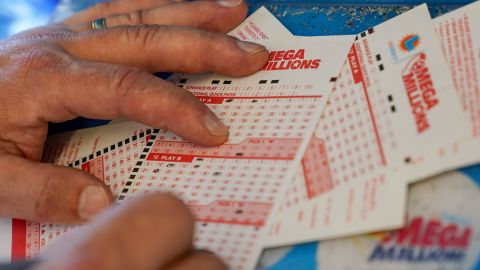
106,91
168,49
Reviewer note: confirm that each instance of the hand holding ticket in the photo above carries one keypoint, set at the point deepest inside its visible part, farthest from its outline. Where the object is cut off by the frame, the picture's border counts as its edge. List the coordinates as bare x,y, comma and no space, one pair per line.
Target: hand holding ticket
94,74
143,240
323,140
232,188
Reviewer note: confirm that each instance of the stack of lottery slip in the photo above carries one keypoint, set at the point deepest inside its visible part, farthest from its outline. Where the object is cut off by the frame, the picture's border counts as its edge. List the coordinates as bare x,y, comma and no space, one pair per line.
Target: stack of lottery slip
394,118
320,147
231,189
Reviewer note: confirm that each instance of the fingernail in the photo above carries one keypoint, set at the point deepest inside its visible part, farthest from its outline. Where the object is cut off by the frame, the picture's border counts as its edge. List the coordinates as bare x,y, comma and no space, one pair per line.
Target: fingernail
250,47
215,126
93,200
229,3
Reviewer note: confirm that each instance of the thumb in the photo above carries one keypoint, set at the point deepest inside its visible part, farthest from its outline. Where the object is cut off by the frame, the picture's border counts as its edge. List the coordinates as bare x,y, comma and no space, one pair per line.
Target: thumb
49,193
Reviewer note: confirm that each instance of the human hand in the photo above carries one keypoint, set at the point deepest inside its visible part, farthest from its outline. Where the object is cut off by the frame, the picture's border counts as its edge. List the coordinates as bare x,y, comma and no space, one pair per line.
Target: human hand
149,233
59,72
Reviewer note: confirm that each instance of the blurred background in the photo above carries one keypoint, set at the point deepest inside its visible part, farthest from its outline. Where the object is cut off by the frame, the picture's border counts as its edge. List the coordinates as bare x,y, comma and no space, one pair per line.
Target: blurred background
313,17
18,15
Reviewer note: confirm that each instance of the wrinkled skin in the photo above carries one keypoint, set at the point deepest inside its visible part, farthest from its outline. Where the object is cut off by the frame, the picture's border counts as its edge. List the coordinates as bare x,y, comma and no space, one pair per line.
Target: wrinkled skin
59,72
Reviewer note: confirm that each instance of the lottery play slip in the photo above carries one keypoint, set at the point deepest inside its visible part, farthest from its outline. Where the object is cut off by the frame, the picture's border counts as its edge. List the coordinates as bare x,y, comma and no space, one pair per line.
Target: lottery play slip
389,121
323,140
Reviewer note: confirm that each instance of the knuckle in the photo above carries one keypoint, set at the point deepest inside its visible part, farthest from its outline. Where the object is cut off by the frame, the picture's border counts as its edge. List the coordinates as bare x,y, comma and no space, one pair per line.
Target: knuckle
45,200
181,99
213,41
229,47
42,57
182,105
143,36
223,46
126,81
210,13
134,18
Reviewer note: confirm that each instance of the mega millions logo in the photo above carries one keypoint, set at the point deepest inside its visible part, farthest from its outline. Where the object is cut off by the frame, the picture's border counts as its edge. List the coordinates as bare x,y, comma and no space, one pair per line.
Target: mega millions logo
290,60
403,47
409,42
425,241
421,92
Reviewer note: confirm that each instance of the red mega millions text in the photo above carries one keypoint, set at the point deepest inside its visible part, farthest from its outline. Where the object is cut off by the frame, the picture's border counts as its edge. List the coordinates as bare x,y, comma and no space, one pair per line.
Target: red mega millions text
420,90
290,60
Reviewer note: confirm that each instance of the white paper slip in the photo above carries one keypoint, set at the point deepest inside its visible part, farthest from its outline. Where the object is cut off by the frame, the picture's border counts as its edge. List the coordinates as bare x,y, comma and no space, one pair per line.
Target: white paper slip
5,240
376,205
261,26
65,148
321,203
392,113
459,34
